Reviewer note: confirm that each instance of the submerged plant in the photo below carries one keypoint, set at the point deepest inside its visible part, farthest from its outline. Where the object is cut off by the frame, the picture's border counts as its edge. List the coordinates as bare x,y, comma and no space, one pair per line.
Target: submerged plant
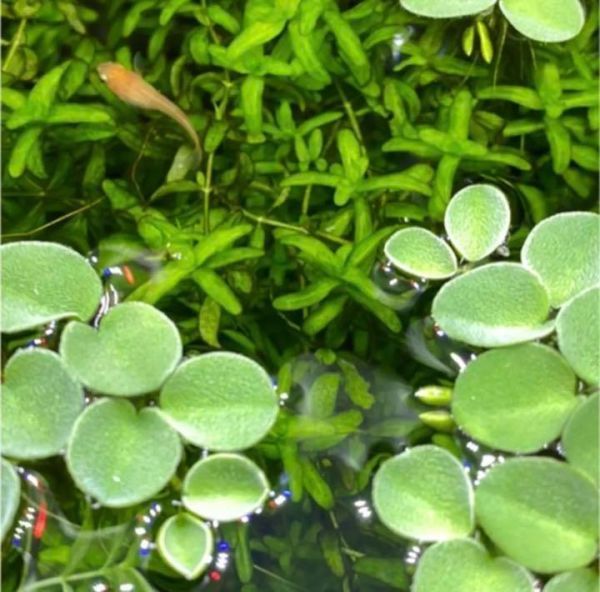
353,347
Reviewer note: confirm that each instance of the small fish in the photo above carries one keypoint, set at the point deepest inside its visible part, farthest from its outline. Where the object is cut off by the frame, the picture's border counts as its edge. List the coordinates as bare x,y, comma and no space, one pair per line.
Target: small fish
133,89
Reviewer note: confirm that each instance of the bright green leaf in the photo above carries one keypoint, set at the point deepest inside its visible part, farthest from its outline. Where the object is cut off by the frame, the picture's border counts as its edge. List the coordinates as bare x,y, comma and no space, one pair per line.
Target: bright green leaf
224,487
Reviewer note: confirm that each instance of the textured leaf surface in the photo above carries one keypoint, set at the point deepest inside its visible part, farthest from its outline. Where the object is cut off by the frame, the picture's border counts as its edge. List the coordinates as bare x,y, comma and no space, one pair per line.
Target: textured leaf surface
119,456
456,566
546,533
43,282
133,351
446,8
580,438
516,398
186,544
421,253
549,21
494,305
220,401
578,330
224,487
477,221
40,403
424,494
563,251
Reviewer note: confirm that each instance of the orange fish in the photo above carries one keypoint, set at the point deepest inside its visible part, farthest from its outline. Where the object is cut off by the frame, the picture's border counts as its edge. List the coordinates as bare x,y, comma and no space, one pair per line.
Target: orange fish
133,89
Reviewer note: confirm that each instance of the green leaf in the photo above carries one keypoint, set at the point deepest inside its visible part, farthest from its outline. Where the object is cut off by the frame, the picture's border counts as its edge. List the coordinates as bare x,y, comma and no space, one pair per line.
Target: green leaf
9,498
43,282
186,544
546,533
220,401
133,351
456,566
562,250
40,99
356,387
494,305
580,439
315,485
395,181
424,494
579,580
552,21
113,453
73,114
224,487
521,410
312,250
312,294
389,571
218,290
322,395
446,8
578,330
22,149
477,221
255,35
209,320
176,186
523,96
40,403
218,241
325,312
419,252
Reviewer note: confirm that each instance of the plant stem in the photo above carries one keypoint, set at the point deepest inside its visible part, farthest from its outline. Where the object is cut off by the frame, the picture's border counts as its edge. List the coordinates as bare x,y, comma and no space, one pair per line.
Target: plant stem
14,44
207,190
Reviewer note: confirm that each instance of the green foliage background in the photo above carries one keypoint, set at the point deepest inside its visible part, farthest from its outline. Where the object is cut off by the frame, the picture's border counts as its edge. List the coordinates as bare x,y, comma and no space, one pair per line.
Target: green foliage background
326,126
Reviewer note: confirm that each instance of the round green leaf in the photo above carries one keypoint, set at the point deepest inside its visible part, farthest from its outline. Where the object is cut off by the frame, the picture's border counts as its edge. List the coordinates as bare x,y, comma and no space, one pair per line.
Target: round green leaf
224,487
580,438
549,21
424,494
121,456
43,282
220,401
464,564
579,580
9,501
494,305
516,398
186,544
40,403
446,8
540,512
563,251
134,350
477,220
421,253
578,330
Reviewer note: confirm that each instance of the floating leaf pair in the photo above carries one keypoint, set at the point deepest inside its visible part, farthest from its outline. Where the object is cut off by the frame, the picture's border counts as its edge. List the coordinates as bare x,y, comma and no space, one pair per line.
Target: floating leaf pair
551,21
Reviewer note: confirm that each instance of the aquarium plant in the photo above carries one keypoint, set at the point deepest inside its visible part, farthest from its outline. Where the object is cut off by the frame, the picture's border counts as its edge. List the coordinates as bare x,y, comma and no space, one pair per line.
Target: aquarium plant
350,341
